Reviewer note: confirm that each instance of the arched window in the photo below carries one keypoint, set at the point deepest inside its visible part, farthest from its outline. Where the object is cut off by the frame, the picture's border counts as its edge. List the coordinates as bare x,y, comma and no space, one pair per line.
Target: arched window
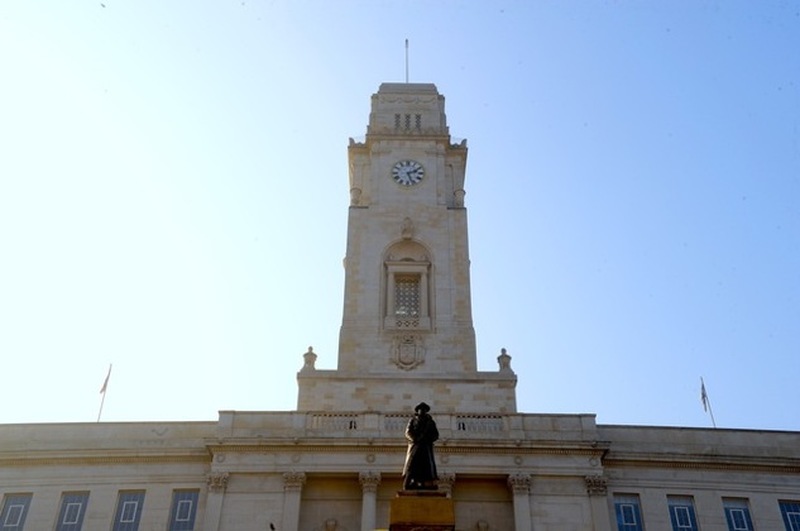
407,287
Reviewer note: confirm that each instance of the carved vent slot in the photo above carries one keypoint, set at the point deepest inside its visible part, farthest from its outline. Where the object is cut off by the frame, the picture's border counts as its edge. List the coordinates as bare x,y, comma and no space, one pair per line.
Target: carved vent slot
404,122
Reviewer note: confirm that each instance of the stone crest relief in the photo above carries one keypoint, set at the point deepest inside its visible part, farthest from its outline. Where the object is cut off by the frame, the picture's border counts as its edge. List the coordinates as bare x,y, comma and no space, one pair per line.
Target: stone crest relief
408,351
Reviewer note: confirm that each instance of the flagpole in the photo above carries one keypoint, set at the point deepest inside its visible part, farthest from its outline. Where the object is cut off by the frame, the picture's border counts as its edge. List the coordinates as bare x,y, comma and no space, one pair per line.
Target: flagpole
706,402
406,60
103,392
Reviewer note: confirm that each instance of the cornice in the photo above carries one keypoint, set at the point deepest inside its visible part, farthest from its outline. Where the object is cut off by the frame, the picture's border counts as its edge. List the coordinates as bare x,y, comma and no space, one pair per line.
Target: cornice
740,464
439,138
95,460
441,449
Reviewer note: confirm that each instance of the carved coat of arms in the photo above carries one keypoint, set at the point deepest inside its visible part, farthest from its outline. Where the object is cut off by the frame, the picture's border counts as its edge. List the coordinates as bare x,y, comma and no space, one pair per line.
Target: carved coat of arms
408,351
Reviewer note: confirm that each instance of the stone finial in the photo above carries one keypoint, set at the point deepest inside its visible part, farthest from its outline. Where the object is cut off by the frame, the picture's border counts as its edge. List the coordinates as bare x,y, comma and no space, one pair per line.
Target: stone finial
407,230
482,525
355,196
217,482
596,485
458,198
369,481
504,360
331,524
309,359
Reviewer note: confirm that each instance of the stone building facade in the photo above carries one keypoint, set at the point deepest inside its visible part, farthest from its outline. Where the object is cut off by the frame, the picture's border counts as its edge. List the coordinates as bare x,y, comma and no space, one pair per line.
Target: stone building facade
406,336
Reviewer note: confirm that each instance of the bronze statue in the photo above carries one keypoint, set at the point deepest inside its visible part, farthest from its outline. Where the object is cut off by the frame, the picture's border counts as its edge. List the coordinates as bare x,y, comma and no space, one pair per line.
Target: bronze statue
419,472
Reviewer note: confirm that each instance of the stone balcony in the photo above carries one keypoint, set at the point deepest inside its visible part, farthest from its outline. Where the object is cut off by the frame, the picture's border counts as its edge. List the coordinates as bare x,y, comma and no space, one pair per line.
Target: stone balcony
386,427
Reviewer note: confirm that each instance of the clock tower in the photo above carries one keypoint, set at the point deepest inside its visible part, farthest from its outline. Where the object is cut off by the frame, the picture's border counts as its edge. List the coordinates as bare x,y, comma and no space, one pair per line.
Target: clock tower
407,331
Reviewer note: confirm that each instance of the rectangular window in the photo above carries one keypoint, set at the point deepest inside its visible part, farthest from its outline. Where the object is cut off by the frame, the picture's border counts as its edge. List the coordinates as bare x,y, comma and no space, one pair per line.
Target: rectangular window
629,515
184,507
15,509
681,513
73,507
406,295
129,511
737,514
790,510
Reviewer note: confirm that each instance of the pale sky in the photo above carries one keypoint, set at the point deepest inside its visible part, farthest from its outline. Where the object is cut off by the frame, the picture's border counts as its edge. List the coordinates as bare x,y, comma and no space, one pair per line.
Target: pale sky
174,193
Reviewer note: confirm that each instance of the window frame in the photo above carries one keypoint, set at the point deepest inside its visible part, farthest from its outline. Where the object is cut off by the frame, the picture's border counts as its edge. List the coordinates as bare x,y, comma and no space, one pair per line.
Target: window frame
621,501
15,499
179,498
681,507
790,512
733,505
399,269
125,497
69,500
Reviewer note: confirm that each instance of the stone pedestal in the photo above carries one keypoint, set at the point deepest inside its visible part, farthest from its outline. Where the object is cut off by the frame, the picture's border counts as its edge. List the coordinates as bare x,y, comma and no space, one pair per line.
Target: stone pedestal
422,510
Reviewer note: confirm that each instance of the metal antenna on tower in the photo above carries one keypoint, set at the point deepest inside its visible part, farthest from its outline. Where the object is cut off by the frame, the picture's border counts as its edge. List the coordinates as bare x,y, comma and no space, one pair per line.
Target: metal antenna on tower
406,60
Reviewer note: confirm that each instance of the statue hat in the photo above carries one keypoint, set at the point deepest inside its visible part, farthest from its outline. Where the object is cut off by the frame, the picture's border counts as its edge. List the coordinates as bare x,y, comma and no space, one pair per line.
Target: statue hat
422,406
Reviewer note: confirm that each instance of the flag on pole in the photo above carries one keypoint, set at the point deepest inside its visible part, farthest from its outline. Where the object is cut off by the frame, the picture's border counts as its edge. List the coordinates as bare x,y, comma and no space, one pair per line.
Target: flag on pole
706,402
703,395
105,383
103,392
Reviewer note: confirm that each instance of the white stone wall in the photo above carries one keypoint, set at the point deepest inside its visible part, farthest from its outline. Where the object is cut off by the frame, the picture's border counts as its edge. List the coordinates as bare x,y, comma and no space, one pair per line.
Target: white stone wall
507,472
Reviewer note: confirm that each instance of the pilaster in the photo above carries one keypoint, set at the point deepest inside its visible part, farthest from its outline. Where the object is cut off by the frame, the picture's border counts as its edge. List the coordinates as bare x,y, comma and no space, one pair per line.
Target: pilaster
292,487
446,482
369,491
597,489
520,485
217,482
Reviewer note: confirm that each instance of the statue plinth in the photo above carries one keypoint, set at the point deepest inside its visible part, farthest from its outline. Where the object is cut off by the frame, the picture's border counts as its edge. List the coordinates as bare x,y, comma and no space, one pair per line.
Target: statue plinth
418,510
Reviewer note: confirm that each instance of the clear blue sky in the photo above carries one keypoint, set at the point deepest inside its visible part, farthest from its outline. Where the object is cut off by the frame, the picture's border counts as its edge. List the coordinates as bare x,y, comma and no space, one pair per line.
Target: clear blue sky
173,199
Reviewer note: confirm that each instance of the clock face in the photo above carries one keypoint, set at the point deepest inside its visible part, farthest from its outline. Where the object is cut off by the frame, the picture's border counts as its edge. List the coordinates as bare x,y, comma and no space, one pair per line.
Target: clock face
407,172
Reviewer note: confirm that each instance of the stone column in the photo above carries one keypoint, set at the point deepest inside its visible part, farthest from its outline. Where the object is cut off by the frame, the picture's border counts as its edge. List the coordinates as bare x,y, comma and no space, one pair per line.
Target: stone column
217,483
521,487
390,308
292,487
423,296
369,493
597,489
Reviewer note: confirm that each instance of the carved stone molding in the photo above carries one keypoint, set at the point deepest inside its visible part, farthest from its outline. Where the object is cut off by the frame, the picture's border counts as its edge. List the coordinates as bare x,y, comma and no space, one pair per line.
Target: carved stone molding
369,481
446,481
217,482
596,485
407,229
520,483
293,480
